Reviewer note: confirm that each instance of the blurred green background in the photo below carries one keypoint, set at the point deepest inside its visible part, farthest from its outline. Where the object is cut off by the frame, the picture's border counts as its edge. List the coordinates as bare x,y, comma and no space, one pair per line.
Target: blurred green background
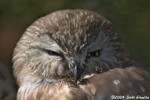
131,18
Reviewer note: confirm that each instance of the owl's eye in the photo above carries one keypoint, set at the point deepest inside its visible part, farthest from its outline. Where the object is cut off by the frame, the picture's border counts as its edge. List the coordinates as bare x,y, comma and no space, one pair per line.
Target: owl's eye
54,53
94,54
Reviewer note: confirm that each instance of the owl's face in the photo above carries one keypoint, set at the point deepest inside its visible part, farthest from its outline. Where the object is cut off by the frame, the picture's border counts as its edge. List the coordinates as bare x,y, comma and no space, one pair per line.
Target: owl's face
71,43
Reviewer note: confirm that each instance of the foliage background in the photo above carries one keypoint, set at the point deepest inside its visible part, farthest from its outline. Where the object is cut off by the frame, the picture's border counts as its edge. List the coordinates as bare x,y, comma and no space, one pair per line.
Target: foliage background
131,18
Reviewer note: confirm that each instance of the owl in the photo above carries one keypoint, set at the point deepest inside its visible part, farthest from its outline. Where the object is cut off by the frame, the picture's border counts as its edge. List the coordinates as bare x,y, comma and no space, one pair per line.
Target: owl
75,55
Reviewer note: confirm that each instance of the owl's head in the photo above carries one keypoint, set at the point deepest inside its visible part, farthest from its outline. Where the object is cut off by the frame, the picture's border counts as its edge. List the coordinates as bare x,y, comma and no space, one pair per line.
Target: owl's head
72,43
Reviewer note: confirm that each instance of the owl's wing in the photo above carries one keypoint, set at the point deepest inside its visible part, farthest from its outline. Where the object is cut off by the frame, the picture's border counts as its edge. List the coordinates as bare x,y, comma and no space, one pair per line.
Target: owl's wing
7,85
117,83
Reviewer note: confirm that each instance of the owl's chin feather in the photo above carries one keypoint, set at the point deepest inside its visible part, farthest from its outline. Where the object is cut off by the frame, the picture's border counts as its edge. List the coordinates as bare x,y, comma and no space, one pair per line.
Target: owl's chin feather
64,89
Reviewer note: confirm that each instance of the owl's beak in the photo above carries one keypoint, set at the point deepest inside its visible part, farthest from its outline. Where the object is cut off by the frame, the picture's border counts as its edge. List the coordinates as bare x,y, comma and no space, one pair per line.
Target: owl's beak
75,71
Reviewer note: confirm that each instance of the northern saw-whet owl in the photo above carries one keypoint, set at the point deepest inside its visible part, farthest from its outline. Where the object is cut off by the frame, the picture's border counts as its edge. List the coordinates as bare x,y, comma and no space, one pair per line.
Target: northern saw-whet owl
75,55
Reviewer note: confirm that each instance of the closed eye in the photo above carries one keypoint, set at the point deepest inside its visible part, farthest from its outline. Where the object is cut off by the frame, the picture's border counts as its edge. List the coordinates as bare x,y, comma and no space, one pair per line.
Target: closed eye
48,51
53,53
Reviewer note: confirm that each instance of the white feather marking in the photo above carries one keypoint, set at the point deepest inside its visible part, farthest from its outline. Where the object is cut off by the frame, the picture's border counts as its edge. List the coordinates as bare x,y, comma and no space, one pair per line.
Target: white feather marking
50,91
65,89
88,76
67,16
34,27
93,90
116,82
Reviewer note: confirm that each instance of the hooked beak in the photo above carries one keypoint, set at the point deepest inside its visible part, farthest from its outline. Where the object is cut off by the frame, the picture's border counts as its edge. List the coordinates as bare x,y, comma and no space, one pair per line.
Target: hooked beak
75,71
